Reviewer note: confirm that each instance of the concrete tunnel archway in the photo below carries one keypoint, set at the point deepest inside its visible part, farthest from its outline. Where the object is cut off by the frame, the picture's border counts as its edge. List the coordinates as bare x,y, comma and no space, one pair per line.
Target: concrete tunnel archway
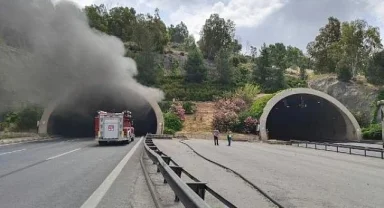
72,115
307,114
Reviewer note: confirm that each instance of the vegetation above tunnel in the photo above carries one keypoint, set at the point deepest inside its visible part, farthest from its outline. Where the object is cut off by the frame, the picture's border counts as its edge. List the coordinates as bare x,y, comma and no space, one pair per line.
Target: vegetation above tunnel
219,68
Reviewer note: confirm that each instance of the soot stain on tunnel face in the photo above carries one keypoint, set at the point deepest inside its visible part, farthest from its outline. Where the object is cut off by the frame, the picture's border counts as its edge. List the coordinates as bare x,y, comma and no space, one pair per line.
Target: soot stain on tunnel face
75,118
305,117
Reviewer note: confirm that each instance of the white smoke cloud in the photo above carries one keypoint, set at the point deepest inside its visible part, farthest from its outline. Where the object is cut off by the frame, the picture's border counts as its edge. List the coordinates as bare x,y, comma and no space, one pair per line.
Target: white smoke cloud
64,53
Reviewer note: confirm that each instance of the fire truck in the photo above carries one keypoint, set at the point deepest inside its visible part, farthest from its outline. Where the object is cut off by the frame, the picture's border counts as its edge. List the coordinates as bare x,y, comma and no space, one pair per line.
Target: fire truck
114,127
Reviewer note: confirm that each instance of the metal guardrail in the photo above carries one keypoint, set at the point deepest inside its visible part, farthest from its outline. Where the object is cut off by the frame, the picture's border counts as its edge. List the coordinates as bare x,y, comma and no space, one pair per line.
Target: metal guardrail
159,136
338,146
190,194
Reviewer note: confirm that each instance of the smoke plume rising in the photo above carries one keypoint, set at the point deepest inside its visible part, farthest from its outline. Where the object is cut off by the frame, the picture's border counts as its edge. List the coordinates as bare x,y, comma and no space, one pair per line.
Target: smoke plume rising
59,54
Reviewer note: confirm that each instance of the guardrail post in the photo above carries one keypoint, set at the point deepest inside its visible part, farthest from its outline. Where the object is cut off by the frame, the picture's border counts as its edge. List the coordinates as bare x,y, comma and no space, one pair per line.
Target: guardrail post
199,188
152,147
365,152
350,151
337,148
315,146
178,170
325,147
159,152
306,145
166,160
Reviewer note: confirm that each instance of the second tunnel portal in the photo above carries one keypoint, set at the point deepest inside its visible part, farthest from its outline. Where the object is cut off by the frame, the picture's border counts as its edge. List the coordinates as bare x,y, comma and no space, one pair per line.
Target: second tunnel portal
307,114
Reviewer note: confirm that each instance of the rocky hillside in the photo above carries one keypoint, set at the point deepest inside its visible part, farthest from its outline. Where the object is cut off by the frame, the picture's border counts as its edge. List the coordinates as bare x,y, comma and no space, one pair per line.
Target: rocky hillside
357,97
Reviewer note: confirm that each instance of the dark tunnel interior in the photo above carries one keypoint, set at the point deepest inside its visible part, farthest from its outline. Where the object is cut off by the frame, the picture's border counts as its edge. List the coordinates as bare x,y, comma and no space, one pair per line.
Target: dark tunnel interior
305,117
74,118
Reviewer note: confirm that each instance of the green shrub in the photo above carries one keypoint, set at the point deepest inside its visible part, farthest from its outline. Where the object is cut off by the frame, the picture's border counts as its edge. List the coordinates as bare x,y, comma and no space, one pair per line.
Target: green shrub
248,93
372,132
258,106
169,131
23,119
165,106
294,82
172,121
361,118
189,107
343,71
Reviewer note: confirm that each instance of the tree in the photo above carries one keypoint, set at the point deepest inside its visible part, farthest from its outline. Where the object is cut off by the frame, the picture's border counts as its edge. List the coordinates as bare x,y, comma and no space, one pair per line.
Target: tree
189,43
194,67
97,17
296,58
270,78
261,66
359,41
121,21
375,69
343,70
324,49
179,33
223,66
217,33
278,55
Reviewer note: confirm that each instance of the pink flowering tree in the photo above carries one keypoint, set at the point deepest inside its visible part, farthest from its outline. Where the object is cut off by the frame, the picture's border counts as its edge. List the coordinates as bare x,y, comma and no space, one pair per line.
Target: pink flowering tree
177,109
250,124
226,115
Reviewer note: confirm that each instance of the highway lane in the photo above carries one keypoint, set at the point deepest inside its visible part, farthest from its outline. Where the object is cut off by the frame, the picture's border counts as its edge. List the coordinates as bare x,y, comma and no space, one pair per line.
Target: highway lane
66,173
298,177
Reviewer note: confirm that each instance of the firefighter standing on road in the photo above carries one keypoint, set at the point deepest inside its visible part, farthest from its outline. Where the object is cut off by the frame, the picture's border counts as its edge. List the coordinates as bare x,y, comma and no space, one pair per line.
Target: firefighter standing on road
216,137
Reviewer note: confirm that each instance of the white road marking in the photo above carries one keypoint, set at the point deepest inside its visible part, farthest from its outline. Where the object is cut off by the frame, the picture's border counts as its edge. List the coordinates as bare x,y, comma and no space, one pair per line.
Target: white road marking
99,193
65,153
5,153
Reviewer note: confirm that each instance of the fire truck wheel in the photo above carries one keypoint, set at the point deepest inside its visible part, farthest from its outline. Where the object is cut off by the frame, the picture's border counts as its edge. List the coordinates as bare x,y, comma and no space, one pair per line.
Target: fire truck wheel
102,143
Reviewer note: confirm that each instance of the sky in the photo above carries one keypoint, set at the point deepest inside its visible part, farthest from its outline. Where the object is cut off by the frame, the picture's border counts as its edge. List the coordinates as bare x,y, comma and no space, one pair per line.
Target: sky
293,22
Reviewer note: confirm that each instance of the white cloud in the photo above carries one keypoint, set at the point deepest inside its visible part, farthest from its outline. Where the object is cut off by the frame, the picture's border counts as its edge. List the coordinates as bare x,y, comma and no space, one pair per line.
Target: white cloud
245,13
293,22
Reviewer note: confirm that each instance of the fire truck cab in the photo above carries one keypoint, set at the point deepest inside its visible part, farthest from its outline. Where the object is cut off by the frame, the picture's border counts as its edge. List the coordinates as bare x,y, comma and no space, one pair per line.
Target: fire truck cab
114,127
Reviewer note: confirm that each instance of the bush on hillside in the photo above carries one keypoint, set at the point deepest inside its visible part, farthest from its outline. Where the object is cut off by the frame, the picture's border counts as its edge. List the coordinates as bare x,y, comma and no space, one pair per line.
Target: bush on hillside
169,131
294,82
258,106
23,119
372,132
172,122
177,109
226,115
343,71
189,107
224,120
248,93
165,106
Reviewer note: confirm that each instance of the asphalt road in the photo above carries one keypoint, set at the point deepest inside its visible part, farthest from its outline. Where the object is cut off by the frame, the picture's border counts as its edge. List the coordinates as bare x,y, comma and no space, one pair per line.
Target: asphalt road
72,173
294,176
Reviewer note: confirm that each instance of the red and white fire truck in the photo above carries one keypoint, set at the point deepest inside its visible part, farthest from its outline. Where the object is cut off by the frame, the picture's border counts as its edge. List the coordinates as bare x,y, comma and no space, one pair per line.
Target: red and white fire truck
114,127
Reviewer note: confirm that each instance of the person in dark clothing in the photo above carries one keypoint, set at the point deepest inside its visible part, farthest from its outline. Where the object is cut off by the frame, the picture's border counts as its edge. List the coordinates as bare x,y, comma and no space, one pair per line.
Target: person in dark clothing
229,137
216,137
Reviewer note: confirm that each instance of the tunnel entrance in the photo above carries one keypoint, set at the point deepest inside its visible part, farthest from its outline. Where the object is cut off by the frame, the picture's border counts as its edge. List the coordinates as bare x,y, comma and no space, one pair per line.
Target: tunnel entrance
305,117
307,114
74,117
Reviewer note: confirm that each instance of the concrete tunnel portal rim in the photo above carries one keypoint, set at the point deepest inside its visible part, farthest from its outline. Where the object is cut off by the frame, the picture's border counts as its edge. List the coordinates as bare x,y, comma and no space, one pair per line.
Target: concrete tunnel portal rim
356,135
43,125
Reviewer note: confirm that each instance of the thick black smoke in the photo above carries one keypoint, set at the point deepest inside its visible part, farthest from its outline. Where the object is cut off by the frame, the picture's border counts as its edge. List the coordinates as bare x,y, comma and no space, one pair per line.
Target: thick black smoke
57,52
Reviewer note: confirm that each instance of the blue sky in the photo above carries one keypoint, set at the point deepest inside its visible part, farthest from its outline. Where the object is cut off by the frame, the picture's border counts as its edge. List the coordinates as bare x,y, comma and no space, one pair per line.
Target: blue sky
294,22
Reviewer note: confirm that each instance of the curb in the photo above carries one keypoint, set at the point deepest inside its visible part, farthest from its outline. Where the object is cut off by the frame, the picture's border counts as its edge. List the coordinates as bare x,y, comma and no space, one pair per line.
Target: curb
151,187
20,140
238,174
